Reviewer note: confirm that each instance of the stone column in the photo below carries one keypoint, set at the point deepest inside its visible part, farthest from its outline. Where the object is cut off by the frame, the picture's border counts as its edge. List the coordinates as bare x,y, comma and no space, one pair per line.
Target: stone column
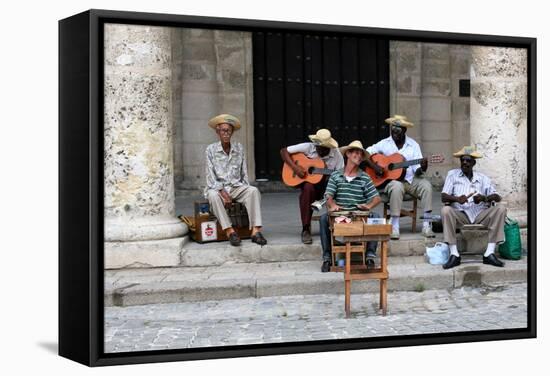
436,108
139,199
498,124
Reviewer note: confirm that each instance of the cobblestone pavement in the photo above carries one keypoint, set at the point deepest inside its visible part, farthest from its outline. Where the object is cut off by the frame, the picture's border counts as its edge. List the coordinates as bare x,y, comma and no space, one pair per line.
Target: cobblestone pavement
312,317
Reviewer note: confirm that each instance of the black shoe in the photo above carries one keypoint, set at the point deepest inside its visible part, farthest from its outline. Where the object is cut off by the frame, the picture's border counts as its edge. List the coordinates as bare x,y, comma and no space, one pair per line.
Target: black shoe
492,260
258,238
370,263
326,266
452,262
306,237
234,239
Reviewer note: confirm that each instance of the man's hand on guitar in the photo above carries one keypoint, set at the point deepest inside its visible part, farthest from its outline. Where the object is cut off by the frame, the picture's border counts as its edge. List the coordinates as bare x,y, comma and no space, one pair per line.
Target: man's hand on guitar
379,170
333,208
424,164
299,170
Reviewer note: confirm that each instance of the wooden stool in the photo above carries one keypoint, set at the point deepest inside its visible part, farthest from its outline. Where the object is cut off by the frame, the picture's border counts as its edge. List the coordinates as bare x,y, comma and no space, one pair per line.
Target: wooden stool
404,212
360,232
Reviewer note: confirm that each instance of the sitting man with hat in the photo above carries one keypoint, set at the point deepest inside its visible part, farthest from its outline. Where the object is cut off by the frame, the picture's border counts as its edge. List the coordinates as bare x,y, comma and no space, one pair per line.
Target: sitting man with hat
473,200
227,180
348,189
414,182
324,147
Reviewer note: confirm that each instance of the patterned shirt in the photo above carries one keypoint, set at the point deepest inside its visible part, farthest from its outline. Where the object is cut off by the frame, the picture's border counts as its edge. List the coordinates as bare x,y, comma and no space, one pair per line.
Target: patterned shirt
225,170
410,150
458,184
348,195
333,160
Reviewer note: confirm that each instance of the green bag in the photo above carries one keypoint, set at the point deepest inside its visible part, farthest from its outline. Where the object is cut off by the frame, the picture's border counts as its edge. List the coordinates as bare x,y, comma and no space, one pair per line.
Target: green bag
511,248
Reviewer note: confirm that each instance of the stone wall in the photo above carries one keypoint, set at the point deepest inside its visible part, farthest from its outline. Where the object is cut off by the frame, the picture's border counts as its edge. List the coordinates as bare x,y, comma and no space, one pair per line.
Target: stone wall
213,75
424,81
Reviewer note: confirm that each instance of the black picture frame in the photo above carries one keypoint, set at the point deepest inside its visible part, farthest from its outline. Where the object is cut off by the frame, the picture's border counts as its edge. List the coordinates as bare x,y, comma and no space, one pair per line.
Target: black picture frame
81,189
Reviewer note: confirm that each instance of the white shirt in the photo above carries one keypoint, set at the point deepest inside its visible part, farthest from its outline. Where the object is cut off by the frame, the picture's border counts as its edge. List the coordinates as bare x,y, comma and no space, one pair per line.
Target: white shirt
333,160
410,151
458,184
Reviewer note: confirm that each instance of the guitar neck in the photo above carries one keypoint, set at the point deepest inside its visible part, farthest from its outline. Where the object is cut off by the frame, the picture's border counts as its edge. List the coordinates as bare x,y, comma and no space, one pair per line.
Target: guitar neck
406,164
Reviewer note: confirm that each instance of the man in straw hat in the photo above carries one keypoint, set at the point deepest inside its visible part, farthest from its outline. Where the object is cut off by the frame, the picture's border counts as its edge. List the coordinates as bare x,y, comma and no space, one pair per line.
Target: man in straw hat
348,189
414,182
227,179
473,199
322,146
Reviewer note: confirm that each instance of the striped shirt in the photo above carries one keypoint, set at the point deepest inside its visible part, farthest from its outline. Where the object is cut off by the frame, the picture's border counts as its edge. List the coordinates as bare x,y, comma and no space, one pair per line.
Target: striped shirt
458,184
410,150
348,195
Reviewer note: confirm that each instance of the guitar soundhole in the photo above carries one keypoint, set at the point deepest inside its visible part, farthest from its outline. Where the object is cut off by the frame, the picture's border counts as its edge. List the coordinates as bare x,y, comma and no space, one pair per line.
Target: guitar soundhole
390,166
310,170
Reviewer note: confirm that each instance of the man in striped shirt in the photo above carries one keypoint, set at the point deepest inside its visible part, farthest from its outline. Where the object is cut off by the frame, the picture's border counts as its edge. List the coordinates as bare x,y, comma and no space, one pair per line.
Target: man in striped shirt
348,189
473,199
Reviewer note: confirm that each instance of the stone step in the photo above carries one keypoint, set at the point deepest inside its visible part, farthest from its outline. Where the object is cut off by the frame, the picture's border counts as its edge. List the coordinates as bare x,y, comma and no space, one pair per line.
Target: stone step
185,253
246,280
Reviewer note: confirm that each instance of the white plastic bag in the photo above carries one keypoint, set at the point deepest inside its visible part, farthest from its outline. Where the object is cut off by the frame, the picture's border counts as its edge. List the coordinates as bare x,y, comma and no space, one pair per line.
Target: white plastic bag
438,254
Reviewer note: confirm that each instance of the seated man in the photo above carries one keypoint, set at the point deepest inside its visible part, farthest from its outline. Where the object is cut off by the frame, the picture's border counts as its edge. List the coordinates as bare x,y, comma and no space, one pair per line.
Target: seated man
348,189
473,199
413,183
324,147
227,180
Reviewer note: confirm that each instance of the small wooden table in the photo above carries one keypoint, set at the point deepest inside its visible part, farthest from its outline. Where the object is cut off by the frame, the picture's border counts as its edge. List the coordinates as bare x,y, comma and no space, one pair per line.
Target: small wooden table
361,232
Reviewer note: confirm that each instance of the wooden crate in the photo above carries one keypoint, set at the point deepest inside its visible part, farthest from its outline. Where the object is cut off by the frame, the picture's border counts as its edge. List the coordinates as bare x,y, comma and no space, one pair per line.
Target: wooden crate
203,218
376,229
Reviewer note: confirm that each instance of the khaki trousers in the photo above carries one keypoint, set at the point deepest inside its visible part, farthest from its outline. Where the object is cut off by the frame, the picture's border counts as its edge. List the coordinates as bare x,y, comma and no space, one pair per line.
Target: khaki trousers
419,187
493,218
247,195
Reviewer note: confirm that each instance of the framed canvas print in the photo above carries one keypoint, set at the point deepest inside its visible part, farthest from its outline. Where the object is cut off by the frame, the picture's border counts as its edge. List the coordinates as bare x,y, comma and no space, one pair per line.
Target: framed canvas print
236,187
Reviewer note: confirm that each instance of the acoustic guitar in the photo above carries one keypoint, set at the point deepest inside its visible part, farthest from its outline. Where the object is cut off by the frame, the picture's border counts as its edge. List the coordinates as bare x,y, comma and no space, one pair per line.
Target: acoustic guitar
315,169
395,166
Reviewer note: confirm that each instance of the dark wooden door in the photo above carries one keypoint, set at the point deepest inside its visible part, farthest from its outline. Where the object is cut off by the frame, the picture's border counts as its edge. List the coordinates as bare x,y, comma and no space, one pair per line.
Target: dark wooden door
304,82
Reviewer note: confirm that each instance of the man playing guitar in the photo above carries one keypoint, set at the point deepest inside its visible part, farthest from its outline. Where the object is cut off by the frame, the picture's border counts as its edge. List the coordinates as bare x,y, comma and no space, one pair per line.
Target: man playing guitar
413,182
322,146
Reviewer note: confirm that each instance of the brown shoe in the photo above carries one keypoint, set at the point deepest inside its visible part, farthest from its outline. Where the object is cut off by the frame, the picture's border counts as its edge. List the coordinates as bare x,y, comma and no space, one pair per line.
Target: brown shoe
306,237
234,239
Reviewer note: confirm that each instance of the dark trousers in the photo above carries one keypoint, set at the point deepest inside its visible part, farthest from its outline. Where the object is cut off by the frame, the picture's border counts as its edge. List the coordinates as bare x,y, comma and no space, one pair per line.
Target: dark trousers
324,230
309,194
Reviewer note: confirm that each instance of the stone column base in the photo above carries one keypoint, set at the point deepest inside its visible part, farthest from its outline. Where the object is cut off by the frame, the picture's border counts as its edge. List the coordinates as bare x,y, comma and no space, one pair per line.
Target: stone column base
144,228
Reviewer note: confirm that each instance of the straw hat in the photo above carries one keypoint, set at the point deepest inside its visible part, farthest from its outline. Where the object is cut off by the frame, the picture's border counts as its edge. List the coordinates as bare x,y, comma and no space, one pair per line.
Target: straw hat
468,150
400,121
323,138
354,145
224,118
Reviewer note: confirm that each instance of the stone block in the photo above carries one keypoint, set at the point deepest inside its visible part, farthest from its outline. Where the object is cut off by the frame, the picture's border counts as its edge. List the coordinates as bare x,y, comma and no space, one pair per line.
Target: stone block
436,131
200,105
460,109
198,71
407,62
472,241
199,51
300,285
188,291
154,253
436,108
194,34
410,107
435,69
435,51
440,88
